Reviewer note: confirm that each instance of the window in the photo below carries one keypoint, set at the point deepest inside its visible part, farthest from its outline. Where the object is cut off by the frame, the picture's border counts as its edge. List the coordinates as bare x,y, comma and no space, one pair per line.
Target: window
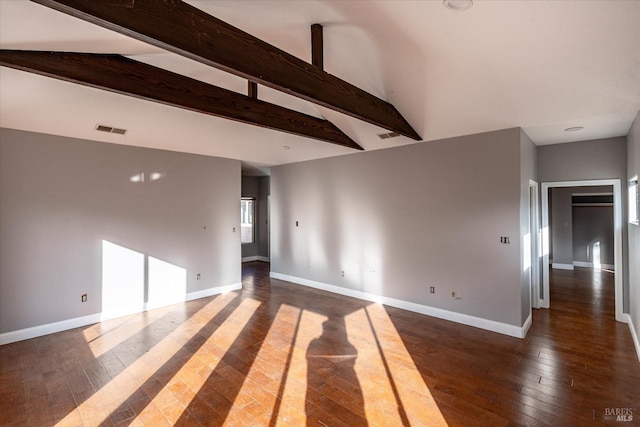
246,220
634,210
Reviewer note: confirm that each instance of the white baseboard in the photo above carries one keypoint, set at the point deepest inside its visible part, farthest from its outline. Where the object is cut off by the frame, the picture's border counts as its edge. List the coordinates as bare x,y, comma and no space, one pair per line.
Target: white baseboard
213,291
465,319
583,264
120,312
590,265
255,258
634,334
77,322
49,328
151,305
560,266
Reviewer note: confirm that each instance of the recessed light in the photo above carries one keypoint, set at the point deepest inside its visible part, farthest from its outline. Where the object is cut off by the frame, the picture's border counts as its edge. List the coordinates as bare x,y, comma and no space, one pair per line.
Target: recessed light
457,5
574,129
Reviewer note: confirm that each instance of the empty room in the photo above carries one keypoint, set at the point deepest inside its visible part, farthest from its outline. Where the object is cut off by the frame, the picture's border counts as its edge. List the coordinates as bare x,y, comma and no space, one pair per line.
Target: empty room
320,213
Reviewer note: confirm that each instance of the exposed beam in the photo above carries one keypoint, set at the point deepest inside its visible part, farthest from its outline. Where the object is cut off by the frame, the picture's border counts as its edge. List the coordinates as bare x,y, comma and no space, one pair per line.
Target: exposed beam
317,46
183,29
253,90
125,76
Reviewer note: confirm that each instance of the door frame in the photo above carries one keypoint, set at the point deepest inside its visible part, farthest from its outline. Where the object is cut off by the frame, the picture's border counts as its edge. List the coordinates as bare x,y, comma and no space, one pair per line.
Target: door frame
534,245
617,237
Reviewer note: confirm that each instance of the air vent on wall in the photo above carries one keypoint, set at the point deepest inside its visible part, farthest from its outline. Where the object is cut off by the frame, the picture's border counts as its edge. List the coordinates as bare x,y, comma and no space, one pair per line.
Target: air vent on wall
109,129
388,135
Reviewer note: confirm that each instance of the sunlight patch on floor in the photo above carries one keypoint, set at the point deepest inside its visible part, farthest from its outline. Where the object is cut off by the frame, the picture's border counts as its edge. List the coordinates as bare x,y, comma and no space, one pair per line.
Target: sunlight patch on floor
106,335
274,351
295,386
413,394
97,408
195,371
377,392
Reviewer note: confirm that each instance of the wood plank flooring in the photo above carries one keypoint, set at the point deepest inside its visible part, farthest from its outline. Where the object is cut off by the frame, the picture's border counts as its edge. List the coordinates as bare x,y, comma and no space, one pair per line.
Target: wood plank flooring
281,354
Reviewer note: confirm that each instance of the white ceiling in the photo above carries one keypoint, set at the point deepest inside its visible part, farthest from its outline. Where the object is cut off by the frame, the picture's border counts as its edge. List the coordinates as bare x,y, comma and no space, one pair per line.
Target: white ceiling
540,65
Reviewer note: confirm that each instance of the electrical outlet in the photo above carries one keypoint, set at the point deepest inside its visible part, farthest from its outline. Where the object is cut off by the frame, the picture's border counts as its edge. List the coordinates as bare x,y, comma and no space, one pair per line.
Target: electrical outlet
505,240
198,276
84,298
453,294
342,273
432,290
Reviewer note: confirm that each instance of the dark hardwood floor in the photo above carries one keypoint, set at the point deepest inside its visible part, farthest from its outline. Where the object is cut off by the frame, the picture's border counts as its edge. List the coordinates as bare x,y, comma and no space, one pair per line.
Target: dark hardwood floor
282,354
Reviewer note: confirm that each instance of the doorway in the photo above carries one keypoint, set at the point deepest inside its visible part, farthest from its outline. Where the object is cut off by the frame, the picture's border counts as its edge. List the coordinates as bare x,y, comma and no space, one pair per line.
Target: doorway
617,237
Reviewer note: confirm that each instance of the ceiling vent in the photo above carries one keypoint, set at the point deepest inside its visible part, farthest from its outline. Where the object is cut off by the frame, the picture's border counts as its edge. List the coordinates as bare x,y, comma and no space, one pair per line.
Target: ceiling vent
388,135
109,129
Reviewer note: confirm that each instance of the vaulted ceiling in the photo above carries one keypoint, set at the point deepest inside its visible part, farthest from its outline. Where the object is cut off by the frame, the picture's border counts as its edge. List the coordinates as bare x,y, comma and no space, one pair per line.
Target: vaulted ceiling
542,65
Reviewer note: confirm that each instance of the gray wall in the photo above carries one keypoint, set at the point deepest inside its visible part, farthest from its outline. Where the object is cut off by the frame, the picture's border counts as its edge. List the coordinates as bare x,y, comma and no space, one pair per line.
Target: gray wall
60,198
561,224
593,224
575,161
264,187
397,221
589,160
258,188
633,169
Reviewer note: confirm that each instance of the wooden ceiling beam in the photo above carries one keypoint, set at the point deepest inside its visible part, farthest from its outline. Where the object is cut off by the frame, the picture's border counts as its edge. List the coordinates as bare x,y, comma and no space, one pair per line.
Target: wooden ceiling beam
185,30
252,90
125,76
317,46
